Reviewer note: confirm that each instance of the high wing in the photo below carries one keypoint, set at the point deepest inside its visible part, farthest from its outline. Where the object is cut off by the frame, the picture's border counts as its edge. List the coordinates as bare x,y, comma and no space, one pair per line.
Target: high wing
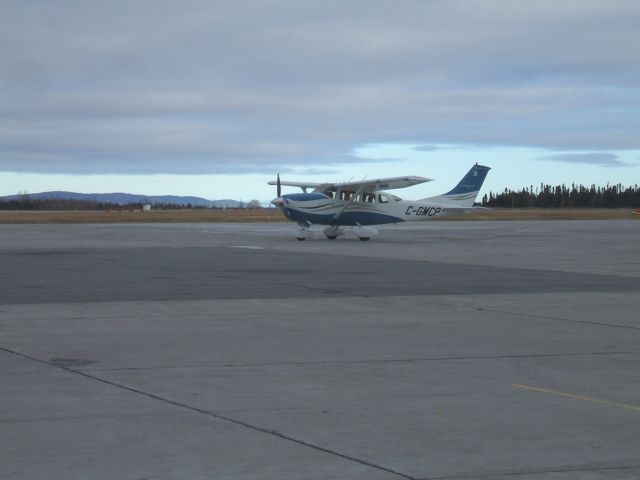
378,184
303,185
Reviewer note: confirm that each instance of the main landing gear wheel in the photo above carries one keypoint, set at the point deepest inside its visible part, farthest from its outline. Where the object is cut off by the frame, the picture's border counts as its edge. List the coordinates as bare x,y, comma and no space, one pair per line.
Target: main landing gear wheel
301,239
364,233
333,232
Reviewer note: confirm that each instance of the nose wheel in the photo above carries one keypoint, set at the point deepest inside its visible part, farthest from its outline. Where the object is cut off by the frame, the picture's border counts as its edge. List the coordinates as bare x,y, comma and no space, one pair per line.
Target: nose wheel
303,233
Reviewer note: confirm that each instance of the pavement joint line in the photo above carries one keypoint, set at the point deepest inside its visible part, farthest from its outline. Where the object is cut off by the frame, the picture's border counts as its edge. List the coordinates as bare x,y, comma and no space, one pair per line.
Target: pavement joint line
212,414
549,317
576,396
366,361
485,476
84,417
340,293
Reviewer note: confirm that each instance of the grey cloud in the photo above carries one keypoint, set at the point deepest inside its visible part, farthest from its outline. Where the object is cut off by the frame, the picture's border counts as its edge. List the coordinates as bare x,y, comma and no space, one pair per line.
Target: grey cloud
426,148
242,86
603,159
314,171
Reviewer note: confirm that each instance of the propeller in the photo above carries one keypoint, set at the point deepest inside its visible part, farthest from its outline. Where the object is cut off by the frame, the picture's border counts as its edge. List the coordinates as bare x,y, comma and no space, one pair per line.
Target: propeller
277,202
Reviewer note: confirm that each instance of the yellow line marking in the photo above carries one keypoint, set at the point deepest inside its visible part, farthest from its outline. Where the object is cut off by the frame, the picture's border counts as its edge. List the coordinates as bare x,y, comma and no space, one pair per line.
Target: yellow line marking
577,397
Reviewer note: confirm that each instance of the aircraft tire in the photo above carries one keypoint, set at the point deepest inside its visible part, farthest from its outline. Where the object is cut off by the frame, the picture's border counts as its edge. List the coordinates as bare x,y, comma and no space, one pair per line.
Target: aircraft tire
364,239
300,239
331,237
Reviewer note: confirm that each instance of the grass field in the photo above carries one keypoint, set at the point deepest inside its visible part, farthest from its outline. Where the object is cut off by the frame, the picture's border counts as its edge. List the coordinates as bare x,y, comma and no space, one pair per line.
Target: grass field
140,216
269,215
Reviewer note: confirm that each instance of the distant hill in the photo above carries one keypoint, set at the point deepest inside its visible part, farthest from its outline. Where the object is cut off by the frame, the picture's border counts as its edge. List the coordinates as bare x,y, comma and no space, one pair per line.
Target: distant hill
126,198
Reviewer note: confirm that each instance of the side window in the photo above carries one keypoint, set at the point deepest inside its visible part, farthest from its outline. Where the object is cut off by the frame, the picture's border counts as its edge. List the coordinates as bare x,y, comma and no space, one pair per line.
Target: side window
383,198
345,195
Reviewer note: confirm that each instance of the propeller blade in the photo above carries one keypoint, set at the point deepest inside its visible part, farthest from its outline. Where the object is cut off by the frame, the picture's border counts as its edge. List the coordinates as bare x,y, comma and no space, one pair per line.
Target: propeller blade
279,188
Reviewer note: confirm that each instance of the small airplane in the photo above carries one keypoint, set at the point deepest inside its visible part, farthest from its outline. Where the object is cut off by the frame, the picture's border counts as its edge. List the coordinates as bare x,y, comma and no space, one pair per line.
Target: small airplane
359,205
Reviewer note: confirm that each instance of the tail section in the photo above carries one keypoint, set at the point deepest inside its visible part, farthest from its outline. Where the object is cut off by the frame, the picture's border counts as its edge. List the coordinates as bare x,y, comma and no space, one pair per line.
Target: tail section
464,194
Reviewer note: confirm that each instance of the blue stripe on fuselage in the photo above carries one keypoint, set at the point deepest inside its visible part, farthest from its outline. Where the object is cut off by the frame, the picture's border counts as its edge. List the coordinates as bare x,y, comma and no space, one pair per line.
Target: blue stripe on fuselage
346,219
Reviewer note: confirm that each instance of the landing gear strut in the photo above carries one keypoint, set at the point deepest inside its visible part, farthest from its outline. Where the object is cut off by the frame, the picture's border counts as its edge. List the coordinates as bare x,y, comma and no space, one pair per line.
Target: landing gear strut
303,233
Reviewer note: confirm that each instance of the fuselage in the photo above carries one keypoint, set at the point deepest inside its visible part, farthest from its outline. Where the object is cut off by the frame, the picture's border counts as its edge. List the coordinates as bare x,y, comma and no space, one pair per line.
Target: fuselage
376,208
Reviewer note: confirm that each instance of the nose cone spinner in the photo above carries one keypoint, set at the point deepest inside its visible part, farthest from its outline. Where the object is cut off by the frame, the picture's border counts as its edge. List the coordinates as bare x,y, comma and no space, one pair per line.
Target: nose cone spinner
278,202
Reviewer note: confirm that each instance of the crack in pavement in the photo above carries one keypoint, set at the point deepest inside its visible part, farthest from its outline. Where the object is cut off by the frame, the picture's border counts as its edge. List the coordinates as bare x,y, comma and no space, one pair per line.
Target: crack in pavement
273,433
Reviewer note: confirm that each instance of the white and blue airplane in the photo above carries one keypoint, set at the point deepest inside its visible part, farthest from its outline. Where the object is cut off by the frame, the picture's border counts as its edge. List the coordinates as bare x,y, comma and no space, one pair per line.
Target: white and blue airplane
356,206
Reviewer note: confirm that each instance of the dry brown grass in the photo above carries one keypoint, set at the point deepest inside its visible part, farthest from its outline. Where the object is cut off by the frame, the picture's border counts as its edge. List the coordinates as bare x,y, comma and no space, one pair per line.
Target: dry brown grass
269,215
548,214
139,216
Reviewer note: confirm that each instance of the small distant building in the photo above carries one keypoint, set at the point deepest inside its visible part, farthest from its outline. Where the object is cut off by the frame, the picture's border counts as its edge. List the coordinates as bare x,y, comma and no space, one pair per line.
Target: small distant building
146,207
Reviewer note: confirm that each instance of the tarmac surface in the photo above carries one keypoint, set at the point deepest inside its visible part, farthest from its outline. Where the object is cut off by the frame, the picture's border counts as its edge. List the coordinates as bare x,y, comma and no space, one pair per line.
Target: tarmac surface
448,350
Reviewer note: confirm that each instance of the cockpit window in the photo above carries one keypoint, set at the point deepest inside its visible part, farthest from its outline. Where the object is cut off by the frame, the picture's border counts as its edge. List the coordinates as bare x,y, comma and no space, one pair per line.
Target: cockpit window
387,198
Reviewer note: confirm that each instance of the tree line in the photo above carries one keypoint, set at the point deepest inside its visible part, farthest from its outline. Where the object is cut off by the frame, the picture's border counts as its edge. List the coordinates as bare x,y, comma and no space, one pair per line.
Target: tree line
50,204
26,202
562,196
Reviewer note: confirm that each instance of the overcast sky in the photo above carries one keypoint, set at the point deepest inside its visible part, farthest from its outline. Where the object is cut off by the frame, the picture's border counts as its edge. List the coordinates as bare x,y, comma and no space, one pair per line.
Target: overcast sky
213,98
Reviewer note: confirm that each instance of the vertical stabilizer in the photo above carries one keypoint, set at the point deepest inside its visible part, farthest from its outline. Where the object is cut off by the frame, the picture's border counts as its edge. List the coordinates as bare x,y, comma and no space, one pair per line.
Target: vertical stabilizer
465,192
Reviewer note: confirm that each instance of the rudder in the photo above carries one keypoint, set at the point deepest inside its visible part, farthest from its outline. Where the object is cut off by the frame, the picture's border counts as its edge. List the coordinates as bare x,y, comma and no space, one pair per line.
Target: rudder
465,192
